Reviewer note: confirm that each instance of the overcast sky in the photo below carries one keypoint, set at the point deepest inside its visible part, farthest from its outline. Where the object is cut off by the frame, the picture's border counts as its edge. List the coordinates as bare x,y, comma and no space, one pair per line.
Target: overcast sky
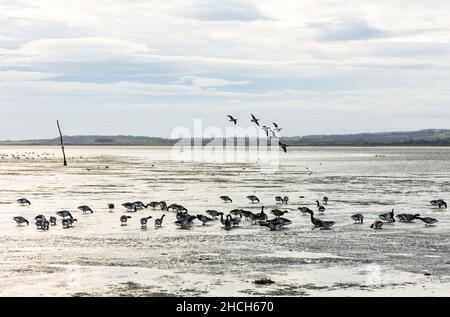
143,67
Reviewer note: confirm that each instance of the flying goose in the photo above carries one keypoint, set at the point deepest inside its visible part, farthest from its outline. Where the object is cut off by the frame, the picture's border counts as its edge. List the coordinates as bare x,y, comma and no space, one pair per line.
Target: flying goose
232,119
255,120
283,146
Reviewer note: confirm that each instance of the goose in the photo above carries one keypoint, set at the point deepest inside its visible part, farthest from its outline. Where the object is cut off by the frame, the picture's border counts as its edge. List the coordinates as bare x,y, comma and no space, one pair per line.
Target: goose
325,200
320,223
23,202
279,200
159,221
21,220
266,129
253,199
407,217
68,223
40,217
358,218
124,219
285,200
236,212
43,224
214,213
204,219
281,221
428,220
261,216
111,207
53,220
256,121
319,207
153,204
283,146
64,214
276,127
130,207
377,225
439,203
304,210
227,223
235,221
181,215
139,205
163,205
226,199
85,209
232,119
248,214
186,222
278,213
144,221
388,217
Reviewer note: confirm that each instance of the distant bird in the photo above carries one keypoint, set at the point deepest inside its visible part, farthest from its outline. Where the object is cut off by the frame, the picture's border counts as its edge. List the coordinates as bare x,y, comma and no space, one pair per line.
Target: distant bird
388,217
204,219
279,200
278,213
85,209
144,221
283,146
21,220
256,121
53,220
111,207
407,217
358,218
439,203
214,213
266,129
428,220
325,200
253,199
159,221
285,200
226,199
377,225
68,222
232,119
320,207
124,219
23,202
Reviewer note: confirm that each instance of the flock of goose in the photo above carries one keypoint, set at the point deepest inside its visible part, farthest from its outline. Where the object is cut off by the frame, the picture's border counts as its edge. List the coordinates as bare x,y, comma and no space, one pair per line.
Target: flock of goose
233,219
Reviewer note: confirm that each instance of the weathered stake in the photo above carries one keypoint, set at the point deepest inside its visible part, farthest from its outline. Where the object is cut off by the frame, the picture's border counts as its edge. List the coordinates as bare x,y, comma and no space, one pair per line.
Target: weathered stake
62,143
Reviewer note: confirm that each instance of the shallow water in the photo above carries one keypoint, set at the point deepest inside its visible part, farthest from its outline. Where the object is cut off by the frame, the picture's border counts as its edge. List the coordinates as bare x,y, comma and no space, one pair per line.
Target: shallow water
100,257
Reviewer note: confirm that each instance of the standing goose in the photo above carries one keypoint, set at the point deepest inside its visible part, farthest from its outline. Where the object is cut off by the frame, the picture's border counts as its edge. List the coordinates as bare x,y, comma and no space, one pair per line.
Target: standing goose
204,219
278,213
64,214
85,209
358,218
320,207
253,199
408,218
153,204
21,220
111,207
227,223
285,200
68,222
23,202
144,221
261,216
159,221
279,200
53,220
163,205
130,207
304,210
388,217
214,213
428,220
325,200
124,219
439,203
320,223
139,205
377,225
226,199
185,222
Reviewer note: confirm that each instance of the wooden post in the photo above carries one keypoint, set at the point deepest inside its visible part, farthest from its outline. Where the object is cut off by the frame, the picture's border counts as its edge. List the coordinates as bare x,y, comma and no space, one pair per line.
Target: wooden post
62,143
